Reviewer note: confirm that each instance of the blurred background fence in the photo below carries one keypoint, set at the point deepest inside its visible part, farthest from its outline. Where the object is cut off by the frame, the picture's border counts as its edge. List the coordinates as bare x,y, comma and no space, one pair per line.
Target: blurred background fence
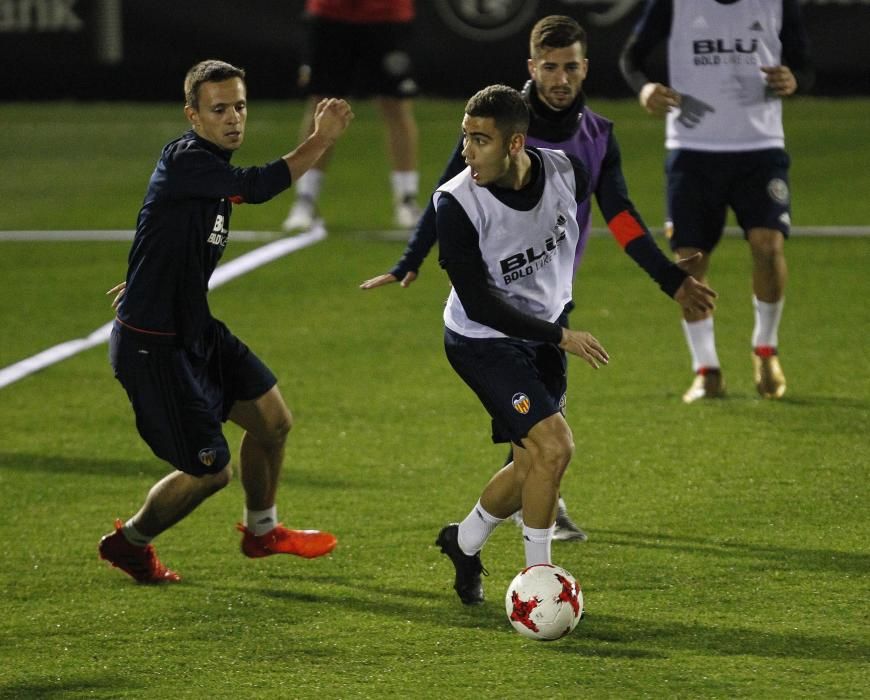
140,49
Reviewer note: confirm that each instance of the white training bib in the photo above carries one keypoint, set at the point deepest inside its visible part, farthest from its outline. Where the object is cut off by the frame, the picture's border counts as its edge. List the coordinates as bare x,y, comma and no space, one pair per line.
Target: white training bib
529,255
715,54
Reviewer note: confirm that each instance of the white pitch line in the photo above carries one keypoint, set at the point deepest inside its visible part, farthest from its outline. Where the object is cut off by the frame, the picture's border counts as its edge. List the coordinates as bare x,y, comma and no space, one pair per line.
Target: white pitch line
794,231
223,274
111,235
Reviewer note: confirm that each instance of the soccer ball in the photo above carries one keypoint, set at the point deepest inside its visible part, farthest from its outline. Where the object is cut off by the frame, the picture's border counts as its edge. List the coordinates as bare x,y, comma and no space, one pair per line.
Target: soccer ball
544,602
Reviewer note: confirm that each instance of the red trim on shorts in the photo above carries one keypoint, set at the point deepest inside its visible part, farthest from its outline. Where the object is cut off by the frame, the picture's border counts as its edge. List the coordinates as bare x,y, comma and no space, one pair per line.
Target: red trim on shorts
142,330
625,228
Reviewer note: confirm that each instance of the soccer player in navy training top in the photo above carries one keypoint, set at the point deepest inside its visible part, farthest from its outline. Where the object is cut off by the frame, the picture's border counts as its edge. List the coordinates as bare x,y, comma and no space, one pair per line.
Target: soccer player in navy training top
184,372
560,119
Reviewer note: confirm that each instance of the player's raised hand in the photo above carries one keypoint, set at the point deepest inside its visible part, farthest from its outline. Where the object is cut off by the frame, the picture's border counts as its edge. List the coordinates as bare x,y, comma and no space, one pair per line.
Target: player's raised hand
388,278
585,346
331,117
658,99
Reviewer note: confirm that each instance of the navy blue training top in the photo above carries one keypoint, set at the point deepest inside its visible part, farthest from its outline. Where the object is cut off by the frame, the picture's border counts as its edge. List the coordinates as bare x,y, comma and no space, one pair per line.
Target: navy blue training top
181,233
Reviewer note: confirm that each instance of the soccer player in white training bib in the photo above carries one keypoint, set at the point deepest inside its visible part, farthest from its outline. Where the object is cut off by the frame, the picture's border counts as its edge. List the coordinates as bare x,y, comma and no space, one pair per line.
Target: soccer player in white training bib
507,229
730,63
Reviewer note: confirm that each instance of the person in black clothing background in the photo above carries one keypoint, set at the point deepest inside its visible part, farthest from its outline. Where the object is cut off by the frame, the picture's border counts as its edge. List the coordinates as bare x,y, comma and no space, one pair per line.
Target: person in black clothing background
183,370
560,119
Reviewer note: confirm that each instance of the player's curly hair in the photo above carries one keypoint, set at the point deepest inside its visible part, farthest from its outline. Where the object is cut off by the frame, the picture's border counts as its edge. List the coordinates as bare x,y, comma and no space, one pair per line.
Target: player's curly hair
555,32
210,71
504,105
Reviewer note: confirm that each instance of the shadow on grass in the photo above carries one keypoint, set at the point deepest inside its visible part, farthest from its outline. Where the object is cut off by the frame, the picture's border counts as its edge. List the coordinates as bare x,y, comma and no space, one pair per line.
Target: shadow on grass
804,559
445,611
152,468
58,464
664,638
598,635
845,405
103,687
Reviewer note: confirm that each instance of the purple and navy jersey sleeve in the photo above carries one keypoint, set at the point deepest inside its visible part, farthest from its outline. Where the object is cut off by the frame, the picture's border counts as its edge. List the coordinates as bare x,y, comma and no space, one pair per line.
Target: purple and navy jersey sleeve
459,255
627,227
425,235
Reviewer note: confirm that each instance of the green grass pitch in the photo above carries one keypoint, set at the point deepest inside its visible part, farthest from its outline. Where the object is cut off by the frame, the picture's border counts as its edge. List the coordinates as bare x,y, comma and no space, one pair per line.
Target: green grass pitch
728,541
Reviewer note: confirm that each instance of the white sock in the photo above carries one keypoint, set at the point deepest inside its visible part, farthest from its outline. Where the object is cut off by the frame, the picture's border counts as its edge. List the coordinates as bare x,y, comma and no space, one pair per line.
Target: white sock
133,536
405,183
308,186
537,543
261,521
475,530
767,315
702,343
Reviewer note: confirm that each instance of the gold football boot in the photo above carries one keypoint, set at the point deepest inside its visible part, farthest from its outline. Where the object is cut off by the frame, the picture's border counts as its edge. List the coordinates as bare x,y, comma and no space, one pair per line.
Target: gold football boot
769,379
708,384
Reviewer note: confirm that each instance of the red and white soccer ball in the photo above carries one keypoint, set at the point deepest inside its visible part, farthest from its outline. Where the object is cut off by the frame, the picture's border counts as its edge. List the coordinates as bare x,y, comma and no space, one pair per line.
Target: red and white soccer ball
544,602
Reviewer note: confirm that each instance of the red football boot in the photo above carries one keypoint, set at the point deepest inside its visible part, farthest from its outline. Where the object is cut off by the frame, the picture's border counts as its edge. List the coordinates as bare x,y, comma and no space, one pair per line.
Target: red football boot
280,540
139,562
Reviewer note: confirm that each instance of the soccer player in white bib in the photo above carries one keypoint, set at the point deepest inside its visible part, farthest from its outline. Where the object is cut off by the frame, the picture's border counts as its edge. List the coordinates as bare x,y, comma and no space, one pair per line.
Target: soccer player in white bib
559,118
507,230
730,63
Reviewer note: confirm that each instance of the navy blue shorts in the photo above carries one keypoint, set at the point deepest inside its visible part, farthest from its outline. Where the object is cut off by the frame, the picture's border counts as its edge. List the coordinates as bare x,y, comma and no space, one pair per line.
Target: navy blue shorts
182,396
703,185
520,383
360,60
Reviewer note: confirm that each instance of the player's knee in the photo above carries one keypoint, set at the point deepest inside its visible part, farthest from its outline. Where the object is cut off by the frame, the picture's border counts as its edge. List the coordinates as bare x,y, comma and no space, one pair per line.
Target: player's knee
278,428
564,455
555,456
222,479
695,266
766,243
285,425
212,483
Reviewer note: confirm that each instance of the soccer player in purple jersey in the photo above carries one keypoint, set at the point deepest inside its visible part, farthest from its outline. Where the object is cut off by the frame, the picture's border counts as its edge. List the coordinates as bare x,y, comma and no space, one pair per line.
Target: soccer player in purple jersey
560,120
183,370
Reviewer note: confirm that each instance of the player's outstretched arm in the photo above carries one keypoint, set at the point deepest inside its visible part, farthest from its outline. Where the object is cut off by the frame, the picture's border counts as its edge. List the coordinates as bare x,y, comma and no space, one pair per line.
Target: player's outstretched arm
388,278
331,117
585,346
424,236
